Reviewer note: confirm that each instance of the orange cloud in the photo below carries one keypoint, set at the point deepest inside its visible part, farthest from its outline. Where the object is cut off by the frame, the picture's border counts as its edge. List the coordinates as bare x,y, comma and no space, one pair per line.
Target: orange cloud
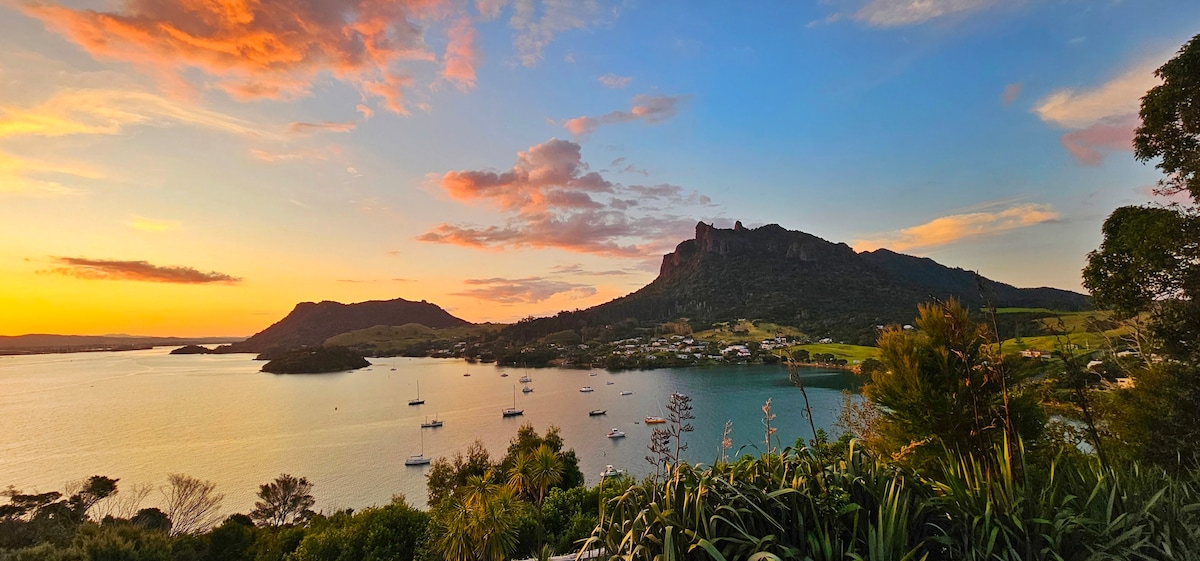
522,291
461,55
104,269
957,227
554,200
256,49
649,108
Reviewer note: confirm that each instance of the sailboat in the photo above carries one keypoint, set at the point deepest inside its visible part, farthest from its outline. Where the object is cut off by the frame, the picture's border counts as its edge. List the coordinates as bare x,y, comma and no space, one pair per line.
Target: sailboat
420,459
435,423
513,411
418,400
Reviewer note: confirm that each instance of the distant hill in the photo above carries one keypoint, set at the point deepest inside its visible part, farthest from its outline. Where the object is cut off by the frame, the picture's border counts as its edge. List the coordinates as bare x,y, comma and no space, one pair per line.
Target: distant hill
795,278
310,324
45,343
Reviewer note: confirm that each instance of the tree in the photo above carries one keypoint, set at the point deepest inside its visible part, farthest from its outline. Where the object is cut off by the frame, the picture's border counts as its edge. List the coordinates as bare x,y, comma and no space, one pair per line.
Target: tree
193,505
95,489
1170,128
389,533
1148,267
152,519
480,523
941,383
448,475
287,500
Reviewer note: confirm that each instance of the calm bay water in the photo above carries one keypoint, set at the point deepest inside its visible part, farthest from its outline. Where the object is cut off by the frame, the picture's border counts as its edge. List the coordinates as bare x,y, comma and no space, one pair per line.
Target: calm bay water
141,415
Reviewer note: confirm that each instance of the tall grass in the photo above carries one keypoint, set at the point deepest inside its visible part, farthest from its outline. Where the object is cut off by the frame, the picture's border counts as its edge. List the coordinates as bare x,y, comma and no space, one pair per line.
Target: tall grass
798,504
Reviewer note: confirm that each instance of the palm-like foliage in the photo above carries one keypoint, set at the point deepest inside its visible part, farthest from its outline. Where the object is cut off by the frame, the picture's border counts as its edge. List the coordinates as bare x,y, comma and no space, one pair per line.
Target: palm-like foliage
480,523
799,505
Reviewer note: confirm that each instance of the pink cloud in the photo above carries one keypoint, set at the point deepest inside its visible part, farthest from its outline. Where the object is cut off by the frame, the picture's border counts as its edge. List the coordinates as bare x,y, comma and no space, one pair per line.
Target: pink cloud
461,55
552,201
1114,133
323,126
648,108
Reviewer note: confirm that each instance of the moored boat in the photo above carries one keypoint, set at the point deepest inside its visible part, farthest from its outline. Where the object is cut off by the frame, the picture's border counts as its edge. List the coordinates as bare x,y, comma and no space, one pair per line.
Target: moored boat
616,433
586,389
596,412
655,420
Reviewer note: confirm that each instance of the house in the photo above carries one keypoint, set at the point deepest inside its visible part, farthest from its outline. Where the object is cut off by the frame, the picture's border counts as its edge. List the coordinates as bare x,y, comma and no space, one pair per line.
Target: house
1034,353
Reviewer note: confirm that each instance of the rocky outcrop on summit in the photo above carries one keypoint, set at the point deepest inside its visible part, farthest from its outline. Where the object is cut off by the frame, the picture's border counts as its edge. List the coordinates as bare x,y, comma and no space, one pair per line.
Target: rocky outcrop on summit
310,324
799,279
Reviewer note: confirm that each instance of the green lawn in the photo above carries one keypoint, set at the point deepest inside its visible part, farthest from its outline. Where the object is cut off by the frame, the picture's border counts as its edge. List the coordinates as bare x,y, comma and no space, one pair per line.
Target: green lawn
850,353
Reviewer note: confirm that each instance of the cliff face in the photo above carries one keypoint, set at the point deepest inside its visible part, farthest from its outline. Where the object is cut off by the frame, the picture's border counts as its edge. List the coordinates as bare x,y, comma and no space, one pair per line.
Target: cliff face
771,241
799,279
310,323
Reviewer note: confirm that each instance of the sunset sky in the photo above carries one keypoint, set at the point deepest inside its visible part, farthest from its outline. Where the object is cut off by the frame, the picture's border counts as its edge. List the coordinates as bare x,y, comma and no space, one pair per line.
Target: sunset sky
197,167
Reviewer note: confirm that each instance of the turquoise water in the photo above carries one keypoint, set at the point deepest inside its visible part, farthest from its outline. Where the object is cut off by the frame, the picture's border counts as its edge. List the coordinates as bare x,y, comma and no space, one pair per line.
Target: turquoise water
141,415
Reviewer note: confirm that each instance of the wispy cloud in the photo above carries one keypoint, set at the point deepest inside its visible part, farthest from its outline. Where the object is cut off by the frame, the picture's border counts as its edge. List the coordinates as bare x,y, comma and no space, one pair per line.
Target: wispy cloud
104,269
898,13
276,157
1101,117
648,108
35,178
957,227
535,29
553,199
613,81
578,270
323,126
523,291
108,112
1010,93
153,224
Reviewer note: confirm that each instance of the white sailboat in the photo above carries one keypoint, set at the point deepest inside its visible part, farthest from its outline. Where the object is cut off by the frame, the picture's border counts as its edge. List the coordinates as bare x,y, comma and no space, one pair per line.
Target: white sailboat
419,459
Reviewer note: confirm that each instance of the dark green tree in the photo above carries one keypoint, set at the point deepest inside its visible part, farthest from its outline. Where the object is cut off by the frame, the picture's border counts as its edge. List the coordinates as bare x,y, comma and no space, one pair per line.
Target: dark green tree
285,501
1148,267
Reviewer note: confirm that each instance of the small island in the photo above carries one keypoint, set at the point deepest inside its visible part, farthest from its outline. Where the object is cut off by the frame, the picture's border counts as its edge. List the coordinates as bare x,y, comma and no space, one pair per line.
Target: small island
316,360
192,350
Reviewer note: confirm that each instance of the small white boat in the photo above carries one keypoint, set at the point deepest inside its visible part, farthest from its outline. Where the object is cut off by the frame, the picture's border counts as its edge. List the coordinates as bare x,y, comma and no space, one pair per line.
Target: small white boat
419,459
608,383
626,392
597,412
525,379
431,424
526,389
610,471
655,420
616,434
592,374
586,389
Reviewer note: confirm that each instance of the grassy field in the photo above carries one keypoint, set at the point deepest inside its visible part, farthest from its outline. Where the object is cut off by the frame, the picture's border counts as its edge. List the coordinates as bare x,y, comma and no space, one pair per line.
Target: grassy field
746,331
851,353
385,338
1078,328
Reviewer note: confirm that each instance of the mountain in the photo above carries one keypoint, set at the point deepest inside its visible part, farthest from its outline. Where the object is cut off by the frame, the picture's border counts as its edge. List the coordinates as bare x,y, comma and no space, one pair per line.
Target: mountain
795,278
310,324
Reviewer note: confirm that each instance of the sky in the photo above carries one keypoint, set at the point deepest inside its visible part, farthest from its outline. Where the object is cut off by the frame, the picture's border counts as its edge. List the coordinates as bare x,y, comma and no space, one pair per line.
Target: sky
198,167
